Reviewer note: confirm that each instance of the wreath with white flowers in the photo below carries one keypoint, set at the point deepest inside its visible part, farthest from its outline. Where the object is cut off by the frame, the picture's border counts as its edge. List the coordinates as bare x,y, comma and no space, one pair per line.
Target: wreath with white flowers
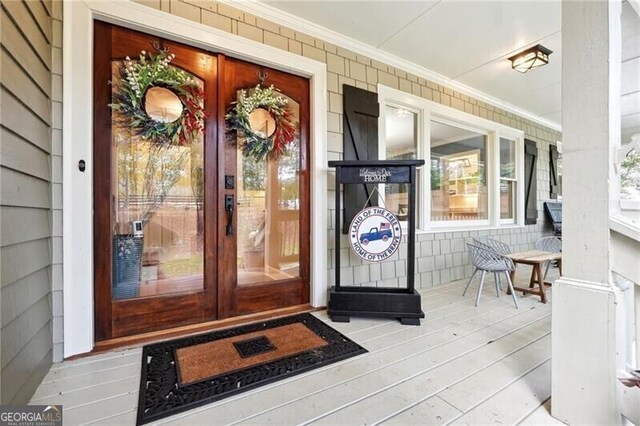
258,145
154,70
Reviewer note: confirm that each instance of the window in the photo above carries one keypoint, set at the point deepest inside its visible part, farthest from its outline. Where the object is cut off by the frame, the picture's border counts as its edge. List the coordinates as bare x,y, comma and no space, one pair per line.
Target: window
508,179
401,143
458,174
474,174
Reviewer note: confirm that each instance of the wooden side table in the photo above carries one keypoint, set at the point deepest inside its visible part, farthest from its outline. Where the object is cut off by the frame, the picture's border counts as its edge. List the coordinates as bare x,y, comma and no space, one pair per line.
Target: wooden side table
535,258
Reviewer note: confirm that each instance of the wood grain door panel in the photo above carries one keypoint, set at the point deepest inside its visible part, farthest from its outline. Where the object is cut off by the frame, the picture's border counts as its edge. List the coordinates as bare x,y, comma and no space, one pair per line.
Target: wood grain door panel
234,299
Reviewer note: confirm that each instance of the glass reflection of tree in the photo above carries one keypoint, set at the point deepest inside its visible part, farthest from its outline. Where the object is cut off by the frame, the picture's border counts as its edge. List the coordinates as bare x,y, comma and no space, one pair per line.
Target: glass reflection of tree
288,168
146,173
254,174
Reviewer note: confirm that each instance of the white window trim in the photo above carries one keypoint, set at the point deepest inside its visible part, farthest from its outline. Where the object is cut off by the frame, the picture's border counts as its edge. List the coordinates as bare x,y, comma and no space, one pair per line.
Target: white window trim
429,110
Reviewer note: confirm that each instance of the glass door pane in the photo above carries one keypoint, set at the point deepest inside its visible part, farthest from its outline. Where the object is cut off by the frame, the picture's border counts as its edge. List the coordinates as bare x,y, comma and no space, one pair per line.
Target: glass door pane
268,191
157,193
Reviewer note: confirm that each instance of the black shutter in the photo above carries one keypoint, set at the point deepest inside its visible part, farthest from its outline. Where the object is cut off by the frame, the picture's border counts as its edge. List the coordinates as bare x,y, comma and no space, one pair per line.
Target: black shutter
553,172
360,139
530,187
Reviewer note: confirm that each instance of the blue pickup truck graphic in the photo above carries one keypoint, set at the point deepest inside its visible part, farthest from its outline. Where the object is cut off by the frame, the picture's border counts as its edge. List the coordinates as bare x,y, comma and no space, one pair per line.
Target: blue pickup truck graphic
384,233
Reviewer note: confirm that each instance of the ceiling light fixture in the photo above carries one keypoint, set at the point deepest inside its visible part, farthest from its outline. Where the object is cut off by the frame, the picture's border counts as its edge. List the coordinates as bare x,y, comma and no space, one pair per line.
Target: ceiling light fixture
530,59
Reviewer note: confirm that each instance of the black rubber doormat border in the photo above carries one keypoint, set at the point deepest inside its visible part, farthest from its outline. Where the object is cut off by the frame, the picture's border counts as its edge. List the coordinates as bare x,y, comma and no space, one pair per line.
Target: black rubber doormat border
160,396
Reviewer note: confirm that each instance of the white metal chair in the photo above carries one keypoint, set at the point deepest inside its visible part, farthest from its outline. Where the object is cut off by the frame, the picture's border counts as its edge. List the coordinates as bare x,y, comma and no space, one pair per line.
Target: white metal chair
487,260
495,245
550,244
491,244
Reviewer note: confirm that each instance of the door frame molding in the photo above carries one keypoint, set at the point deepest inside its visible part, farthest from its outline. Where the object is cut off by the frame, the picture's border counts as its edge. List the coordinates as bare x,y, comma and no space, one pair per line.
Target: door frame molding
77,196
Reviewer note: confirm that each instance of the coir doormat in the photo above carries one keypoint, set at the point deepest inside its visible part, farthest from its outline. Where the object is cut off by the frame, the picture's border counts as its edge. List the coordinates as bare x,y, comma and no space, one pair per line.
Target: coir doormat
186,373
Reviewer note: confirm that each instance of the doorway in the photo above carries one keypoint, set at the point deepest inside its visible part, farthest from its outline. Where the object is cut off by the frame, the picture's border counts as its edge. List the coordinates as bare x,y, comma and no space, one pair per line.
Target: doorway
192,230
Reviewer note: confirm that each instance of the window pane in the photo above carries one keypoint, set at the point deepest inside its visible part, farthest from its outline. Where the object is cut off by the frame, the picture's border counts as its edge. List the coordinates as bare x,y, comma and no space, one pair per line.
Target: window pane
507,158
507,199
458,174
401,132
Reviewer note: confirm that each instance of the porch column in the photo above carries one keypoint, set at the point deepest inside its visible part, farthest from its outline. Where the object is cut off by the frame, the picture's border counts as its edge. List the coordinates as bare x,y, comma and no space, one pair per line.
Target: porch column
585,301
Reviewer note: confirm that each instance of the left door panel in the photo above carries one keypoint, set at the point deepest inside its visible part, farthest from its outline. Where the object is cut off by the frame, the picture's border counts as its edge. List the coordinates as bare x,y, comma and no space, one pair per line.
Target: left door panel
154,157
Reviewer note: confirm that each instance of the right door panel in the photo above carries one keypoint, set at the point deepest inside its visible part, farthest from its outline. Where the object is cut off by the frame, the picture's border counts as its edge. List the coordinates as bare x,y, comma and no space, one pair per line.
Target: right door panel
266,259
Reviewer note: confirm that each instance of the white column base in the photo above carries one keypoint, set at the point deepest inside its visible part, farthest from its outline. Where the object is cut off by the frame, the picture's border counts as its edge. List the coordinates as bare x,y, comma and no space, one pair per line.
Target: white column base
585,352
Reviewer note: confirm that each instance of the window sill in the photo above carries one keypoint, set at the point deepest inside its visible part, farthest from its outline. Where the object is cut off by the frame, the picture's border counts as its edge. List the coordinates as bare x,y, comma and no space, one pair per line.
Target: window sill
464,229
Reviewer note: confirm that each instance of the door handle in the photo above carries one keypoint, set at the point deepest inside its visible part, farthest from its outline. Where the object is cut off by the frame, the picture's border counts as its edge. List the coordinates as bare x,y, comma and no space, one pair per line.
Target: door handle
229,202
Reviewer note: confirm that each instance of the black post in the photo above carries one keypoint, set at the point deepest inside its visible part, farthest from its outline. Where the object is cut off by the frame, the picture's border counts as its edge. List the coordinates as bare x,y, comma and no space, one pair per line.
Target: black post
338,213
411,238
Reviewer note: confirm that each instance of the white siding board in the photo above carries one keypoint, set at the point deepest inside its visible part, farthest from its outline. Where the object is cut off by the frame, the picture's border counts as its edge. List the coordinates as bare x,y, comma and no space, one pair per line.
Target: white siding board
22,190
20,155
19,296
17,46
515,402
24,327
20,120
16,374
28,27
16,81
20,260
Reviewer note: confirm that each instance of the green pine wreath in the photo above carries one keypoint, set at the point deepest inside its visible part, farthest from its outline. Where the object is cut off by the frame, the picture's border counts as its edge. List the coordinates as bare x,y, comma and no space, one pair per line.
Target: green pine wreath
256,145
154,70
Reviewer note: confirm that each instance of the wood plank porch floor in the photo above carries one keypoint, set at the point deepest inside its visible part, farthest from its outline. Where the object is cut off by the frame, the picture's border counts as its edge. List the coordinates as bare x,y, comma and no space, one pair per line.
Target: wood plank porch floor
463,365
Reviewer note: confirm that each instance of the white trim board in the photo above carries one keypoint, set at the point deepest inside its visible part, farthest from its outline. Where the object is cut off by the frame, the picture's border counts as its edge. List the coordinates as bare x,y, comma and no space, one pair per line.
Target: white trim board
301,25
77,142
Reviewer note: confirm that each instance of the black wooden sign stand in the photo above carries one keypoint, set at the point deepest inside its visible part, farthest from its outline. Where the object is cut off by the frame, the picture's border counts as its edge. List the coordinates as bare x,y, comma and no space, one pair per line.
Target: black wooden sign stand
384,302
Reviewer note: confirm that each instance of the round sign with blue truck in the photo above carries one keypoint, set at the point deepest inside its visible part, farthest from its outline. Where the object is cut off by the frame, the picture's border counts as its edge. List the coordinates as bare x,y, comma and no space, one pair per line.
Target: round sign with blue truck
375,234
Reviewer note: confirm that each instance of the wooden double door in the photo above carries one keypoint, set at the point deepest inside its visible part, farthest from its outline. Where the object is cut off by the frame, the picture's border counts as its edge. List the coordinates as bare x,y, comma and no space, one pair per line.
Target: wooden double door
193,231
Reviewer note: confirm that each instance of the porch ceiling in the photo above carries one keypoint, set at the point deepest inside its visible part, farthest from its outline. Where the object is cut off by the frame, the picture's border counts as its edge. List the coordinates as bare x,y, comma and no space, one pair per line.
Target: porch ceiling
469,42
